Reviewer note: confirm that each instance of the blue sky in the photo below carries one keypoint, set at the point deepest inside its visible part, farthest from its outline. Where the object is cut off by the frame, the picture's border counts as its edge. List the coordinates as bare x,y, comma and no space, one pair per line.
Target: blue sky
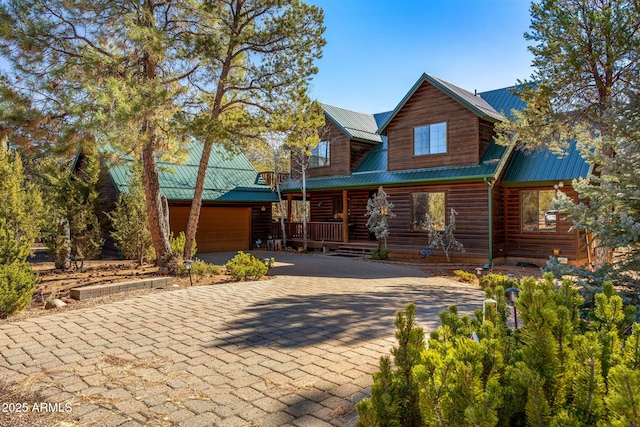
377,49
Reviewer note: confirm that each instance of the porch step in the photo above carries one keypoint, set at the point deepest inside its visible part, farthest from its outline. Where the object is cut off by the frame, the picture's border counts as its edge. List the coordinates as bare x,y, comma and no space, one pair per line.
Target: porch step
356,249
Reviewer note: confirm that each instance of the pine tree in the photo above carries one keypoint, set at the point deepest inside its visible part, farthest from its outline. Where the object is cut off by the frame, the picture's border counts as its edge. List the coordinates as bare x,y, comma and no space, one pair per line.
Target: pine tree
585,53
129,220
73,211
20,212
261,55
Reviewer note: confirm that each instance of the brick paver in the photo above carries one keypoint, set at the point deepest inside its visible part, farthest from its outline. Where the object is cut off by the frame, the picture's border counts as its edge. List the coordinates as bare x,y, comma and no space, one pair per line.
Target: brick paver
295,350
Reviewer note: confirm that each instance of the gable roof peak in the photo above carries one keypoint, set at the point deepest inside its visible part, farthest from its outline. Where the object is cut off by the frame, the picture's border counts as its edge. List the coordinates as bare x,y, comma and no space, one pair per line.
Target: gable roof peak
475,104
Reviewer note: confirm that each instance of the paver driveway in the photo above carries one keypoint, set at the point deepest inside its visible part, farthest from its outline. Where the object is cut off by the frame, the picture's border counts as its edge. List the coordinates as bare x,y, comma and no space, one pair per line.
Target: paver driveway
295,350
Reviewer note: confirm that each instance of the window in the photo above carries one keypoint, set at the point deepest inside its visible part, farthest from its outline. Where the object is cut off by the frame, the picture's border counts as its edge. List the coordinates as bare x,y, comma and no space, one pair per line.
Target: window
320,155
431,139
338,206
537,210
427,203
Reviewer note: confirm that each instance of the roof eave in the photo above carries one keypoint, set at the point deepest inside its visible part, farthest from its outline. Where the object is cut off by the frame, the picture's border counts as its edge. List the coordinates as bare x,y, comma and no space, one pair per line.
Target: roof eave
369,141
338,125
471,178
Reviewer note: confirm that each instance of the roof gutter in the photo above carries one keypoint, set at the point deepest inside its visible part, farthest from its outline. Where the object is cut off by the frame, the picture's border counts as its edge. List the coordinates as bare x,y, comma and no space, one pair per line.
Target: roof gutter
396,184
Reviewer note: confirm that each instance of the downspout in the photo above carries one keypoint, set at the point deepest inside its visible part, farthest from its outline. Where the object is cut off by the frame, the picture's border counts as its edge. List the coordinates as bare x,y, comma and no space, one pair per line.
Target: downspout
490,184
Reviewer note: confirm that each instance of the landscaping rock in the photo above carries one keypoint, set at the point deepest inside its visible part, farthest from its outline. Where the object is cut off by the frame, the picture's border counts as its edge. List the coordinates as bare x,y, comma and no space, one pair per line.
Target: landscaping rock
54,303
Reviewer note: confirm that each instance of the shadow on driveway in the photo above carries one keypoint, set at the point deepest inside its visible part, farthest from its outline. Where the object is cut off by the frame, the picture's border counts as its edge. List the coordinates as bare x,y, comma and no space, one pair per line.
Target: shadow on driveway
307,320
320,265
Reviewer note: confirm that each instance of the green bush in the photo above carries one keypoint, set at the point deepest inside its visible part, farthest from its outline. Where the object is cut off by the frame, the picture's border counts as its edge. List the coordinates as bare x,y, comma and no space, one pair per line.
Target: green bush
379,253
246,266
492,280
465,276
554,370
177,245
17,282
130,221
198,268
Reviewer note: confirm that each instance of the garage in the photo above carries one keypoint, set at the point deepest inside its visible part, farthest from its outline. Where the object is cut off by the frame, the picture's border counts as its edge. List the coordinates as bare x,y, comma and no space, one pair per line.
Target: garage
221,229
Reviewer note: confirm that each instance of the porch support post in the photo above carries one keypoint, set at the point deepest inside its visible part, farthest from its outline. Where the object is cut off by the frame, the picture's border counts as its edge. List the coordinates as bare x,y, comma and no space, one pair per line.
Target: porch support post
289,200
345,216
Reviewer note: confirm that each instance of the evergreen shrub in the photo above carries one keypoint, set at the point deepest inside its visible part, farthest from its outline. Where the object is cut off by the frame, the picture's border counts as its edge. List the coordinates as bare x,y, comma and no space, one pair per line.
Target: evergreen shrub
379,254
492,280
130,221
198,268
245,266
17,282
554,370
178,243
465,276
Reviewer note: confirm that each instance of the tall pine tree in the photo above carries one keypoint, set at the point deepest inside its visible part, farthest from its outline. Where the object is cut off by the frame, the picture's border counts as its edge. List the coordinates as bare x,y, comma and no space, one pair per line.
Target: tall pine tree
585,57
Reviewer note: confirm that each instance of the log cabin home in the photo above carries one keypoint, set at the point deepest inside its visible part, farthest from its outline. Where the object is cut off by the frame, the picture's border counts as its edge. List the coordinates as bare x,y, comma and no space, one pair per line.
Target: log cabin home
435,152
236,204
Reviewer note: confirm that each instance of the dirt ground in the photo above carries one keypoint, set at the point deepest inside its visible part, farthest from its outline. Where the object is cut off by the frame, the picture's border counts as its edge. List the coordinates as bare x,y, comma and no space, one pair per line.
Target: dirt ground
56,283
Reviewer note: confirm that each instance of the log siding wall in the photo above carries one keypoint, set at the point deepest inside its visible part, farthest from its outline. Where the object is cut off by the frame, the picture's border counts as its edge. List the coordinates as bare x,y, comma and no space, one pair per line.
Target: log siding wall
470,200
540,245
472,227
429,105
340,155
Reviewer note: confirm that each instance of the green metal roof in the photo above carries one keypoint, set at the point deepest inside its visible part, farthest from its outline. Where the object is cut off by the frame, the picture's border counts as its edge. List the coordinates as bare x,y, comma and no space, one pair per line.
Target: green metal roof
474,103
543,166
504,100
375,160
359,126
230,178
490,167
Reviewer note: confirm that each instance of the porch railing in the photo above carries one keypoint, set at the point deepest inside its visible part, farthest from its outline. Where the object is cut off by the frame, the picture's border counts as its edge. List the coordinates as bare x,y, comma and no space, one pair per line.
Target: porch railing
316,230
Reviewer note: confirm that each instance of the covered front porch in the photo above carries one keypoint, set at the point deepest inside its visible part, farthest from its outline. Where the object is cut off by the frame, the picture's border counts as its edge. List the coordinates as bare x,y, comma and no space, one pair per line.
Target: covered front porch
334,218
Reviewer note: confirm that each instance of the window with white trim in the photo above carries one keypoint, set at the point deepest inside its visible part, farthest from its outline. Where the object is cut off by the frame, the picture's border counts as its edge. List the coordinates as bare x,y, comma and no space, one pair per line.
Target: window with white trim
430,139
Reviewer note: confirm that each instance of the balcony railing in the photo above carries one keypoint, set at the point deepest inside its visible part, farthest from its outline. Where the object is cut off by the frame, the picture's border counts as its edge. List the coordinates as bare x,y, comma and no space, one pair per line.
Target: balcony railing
316,230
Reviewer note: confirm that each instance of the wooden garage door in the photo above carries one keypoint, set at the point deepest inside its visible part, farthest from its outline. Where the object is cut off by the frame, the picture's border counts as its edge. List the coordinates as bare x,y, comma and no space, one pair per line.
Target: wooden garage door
220,229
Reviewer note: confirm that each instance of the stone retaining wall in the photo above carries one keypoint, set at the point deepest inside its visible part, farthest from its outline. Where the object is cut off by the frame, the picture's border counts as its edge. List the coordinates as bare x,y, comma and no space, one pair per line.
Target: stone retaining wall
86,292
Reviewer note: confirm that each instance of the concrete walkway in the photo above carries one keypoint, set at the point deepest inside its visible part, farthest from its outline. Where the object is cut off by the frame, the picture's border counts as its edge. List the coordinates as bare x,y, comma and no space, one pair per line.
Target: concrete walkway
296,350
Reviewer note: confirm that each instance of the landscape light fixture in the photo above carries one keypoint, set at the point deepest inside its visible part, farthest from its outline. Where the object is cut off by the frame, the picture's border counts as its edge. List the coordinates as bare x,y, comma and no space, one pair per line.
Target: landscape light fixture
513,296
187,265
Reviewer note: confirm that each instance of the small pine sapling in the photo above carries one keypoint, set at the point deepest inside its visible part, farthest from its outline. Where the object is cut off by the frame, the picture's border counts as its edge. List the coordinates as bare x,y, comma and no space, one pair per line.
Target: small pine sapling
444,239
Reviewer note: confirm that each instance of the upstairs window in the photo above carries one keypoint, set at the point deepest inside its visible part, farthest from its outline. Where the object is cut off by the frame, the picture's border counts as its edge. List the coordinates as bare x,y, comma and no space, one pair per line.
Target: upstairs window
431,139
538,214
431,204
320,155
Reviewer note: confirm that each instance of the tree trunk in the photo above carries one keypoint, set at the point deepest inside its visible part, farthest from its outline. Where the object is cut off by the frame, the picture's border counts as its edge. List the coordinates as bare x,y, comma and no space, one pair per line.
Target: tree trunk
63,246
304,208
196,204
157,225
275,174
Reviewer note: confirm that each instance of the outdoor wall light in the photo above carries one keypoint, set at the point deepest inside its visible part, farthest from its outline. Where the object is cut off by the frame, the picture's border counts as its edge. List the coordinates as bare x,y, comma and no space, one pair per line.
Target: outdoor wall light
263,208
513,296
